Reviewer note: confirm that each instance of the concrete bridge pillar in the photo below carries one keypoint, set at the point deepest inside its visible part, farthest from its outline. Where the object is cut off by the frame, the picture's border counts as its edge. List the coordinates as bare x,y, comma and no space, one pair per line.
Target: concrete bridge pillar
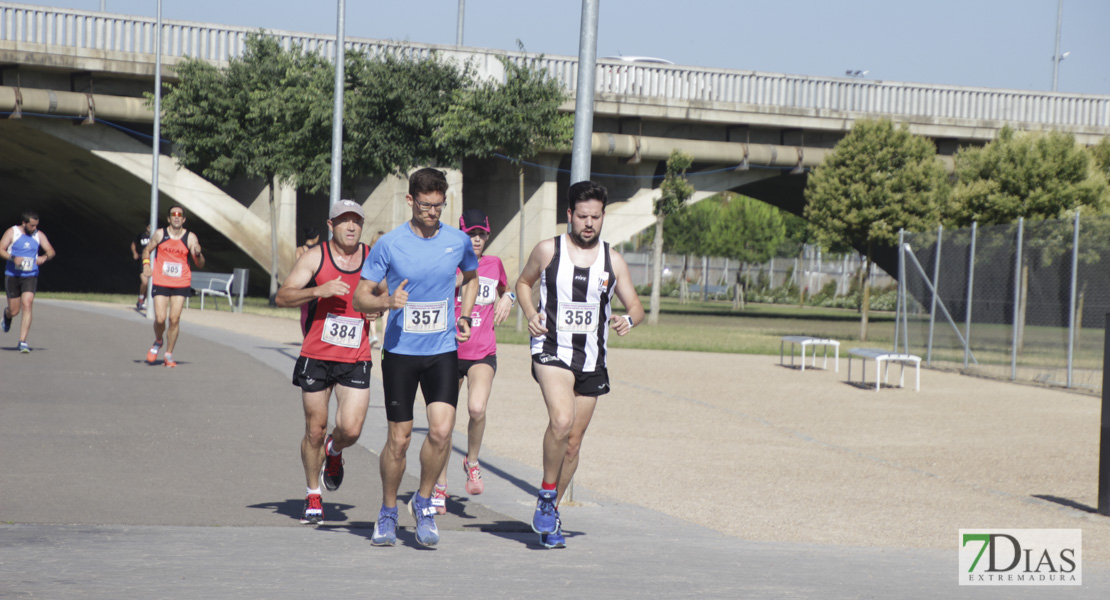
498,195
285,199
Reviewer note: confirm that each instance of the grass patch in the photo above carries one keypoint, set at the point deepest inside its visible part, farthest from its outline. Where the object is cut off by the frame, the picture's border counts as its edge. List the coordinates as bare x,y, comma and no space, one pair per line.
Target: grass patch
714,327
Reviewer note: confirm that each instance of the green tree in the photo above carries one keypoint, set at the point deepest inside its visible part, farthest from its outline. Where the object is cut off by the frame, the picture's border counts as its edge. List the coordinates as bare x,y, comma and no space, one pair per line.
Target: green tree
1030,175
686,231
877,180
1101,154
1035,176
749,231
673,193
237,122
518,117
269,115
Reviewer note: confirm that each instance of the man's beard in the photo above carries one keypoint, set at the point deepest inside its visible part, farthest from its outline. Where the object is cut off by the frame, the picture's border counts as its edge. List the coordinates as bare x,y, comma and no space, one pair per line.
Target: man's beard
584,243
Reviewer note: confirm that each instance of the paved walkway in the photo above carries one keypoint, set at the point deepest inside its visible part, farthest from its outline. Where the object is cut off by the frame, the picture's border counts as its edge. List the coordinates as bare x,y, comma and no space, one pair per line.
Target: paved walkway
124,480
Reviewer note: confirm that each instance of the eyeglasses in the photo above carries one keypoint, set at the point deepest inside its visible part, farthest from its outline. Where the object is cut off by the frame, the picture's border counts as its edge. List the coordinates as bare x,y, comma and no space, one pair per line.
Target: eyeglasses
176,213
427,206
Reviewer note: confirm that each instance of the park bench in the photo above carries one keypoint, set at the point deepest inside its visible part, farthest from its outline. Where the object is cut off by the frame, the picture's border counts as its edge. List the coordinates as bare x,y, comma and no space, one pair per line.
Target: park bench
212,284
885,356
805,340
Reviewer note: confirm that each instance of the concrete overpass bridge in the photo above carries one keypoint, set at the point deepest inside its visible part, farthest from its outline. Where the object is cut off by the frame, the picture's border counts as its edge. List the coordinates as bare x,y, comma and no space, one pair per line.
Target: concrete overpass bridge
751,132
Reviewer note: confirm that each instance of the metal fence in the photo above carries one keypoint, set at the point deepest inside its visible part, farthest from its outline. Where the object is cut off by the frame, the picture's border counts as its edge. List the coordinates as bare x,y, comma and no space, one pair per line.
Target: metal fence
1026,301
812,270
31,24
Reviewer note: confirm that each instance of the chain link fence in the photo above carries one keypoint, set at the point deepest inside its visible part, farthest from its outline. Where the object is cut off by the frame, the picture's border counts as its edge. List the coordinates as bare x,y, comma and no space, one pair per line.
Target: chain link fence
1026,301
811,270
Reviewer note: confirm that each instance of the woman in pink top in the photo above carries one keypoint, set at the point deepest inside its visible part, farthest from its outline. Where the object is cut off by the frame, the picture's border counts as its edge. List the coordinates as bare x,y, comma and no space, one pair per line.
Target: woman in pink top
478,355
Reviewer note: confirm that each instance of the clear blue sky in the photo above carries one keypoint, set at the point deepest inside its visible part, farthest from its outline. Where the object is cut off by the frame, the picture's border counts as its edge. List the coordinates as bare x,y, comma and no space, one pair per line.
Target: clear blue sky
988,43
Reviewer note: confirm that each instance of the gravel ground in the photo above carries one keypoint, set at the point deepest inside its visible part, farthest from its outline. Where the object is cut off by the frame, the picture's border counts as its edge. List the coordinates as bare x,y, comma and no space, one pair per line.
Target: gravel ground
753,449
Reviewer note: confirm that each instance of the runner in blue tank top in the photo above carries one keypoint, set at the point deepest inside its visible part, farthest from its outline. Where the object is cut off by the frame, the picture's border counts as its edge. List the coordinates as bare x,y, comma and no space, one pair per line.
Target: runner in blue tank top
418,261
19,248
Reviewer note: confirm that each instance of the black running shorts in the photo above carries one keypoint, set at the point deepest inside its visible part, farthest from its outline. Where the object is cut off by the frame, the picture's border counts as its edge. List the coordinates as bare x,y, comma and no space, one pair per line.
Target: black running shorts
594,383
464,365
314,375
17,286
161,290
437,376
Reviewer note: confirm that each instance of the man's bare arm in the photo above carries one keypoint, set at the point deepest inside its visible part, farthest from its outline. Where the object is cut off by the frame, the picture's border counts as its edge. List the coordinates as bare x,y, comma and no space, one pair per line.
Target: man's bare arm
47,248
626,293
294,292
537,262
5,241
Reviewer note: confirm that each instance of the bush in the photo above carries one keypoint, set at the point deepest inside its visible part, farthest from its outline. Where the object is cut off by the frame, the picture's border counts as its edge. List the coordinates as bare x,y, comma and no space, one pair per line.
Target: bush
669,288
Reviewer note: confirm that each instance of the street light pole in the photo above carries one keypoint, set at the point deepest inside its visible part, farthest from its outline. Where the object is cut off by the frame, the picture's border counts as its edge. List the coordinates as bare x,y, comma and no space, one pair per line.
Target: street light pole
337,111
1056,58
584,99
156,144
459,30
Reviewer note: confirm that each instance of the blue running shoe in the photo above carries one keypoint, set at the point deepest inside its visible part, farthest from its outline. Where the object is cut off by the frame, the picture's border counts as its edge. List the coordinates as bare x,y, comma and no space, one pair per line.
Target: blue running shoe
5,321
421,509
554,540
24,348
546,519
385,530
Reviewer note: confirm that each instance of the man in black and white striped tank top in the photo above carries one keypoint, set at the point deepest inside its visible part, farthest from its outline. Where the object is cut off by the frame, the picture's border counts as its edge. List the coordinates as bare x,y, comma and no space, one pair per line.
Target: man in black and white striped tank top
578,275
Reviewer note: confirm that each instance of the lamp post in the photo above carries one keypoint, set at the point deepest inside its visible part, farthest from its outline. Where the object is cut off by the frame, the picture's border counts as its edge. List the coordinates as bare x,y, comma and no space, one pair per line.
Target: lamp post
337,111
1056,56
459,29
156,142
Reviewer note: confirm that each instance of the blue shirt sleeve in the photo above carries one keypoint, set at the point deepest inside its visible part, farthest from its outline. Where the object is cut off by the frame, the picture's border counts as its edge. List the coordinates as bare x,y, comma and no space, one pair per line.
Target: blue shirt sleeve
469,260
377,264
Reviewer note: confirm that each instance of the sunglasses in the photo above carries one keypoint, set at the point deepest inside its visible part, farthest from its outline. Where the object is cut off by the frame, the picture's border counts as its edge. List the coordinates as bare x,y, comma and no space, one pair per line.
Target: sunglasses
177,213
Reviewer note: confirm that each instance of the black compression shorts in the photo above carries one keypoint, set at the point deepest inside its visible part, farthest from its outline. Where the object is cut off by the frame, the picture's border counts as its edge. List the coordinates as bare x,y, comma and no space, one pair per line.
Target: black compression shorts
437,376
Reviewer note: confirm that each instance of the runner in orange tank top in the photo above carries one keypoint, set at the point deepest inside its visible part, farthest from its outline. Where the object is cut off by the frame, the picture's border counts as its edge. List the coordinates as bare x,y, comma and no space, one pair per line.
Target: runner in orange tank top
172,247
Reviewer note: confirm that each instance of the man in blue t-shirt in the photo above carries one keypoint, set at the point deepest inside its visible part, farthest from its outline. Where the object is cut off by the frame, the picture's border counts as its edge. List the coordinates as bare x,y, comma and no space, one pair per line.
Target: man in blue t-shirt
418,261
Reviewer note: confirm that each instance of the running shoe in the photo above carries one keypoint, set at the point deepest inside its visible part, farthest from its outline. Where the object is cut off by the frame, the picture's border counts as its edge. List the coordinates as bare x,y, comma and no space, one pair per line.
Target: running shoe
385,530
421,509
554,540
439,499
6,321
546,519
152,355
169,361
139,305
332,474
24,348
313,510
474,485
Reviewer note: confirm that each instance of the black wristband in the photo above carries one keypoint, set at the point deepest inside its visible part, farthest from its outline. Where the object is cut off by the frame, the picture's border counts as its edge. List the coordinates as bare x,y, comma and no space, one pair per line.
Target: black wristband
469,321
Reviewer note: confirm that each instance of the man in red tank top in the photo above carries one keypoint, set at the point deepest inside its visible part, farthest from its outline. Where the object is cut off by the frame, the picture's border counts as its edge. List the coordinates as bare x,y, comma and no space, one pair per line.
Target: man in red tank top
335,354
172,246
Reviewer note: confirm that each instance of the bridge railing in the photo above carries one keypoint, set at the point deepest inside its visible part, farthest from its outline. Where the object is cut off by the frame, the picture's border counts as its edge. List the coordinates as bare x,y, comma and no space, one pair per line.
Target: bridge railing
130,34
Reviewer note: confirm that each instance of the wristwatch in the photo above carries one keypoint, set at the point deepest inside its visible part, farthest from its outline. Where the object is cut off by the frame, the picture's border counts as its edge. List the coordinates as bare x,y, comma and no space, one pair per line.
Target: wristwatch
469,322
